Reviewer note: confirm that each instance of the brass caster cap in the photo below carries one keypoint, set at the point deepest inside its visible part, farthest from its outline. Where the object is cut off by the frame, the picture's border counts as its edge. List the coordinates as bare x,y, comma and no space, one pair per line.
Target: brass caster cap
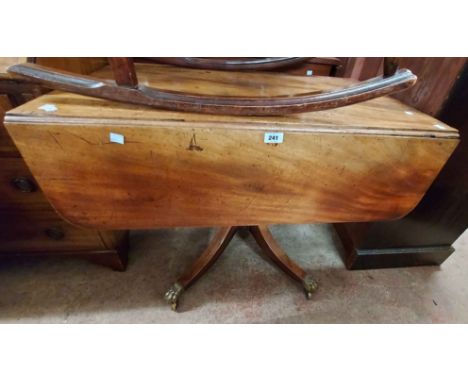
173,294
310,286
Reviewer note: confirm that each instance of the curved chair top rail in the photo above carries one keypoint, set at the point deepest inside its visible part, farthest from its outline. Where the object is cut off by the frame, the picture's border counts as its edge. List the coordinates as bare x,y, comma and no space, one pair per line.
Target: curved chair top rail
190,102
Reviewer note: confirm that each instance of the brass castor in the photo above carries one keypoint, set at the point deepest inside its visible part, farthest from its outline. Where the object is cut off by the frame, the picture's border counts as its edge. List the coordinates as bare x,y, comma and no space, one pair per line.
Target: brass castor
310,286
172,295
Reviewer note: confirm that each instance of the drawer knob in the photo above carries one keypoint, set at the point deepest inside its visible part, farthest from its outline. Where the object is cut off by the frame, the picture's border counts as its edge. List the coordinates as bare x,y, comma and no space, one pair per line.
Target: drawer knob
55,233
24,184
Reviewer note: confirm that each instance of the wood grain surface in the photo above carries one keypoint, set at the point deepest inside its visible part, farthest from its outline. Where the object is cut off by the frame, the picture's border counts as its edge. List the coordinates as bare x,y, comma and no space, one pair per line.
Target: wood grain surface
7,147
437,75
14,197
124,71
6,62
370,161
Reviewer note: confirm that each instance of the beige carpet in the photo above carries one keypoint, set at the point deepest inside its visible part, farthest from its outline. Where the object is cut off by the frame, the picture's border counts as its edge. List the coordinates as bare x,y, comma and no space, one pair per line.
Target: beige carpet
242,287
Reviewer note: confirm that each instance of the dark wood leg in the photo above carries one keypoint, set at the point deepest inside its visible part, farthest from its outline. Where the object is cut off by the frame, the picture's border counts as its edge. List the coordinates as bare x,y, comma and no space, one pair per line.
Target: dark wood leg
270,247
116,259
216,247
124,71
218,244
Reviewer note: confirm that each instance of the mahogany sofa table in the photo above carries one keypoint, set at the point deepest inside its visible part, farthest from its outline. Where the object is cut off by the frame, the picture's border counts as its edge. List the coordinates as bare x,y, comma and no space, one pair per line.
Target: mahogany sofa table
110,165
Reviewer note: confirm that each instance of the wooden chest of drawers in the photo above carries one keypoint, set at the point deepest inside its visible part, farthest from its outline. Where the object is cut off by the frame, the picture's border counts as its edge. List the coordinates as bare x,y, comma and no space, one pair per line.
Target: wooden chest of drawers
28,223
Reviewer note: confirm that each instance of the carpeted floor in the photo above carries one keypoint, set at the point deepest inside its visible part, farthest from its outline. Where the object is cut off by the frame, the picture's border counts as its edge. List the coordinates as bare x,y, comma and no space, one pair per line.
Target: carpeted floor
242,287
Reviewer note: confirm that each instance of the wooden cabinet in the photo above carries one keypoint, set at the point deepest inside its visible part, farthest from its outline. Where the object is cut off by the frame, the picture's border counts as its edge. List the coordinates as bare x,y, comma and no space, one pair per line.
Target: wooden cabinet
43,230
18,188
28,223
7,147
424,236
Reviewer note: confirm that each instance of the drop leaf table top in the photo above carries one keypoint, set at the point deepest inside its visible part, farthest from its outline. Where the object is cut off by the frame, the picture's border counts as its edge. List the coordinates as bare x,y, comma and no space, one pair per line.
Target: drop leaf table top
110,165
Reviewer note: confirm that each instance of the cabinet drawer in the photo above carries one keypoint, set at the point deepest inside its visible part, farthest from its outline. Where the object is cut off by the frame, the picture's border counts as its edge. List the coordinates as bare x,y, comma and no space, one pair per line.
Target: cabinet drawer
18,189
28,222
43,231
7,148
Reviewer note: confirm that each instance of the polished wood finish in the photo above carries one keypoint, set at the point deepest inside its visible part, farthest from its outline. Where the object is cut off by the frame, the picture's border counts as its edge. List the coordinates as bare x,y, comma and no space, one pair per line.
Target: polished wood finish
16,194
6,62
437,78
425,236
82,65
271,248
43,231
384,165
28,224
200,103
18,91
218,244
363,68
7,147
124,71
